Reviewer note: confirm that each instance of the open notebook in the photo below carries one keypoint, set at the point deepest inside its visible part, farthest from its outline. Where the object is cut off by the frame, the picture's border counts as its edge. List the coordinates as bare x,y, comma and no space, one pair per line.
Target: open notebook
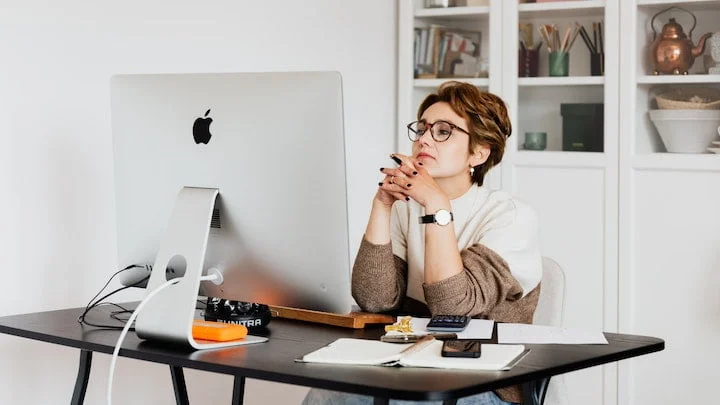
422,354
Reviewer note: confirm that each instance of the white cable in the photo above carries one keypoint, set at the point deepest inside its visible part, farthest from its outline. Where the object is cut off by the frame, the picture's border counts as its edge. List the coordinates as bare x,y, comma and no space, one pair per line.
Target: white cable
125,330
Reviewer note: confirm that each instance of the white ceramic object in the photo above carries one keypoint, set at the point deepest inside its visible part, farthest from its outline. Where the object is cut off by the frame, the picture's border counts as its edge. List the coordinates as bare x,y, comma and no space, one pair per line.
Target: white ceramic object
715,48
686,131
714,150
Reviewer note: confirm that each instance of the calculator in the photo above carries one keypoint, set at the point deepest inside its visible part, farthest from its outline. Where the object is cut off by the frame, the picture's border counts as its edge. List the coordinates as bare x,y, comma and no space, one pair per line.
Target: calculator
448,323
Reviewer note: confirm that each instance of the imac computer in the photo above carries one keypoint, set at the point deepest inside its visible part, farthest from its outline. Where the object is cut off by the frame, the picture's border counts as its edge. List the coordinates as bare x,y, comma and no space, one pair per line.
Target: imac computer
242,174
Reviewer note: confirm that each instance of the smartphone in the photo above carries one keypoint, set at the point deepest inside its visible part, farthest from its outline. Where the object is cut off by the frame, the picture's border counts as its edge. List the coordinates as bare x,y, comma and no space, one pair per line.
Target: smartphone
461,348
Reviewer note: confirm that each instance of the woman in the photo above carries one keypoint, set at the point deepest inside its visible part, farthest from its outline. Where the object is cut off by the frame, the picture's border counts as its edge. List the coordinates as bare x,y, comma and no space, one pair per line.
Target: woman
440,241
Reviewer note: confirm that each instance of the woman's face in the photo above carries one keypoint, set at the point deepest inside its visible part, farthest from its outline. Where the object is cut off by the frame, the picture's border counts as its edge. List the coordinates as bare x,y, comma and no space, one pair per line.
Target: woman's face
445,159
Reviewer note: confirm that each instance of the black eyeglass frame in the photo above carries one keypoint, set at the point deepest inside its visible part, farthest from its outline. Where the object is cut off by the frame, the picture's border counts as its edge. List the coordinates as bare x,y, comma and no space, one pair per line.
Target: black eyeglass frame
412,134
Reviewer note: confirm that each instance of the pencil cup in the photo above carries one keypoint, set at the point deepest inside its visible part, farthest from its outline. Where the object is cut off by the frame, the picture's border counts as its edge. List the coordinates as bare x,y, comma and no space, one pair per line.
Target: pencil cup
528,63
559,63
597,64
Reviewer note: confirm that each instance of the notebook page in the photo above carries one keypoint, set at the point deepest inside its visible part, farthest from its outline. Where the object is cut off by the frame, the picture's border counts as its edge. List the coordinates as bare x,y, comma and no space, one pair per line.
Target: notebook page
356,351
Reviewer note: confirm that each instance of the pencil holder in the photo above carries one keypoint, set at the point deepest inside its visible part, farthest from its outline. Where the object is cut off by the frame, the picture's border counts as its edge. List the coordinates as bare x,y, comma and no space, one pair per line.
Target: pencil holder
559,63
528,62
597,64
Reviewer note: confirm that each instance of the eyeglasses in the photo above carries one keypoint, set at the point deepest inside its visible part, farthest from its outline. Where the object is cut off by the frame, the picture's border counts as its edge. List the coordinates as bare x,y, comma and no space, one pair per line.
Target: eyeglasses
439,130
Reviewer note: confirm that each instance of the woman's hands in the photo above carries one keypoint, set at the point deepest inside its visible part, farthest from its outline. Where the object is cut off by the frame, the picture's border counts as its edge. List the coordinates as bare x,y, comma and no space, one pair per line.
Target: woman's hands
409,180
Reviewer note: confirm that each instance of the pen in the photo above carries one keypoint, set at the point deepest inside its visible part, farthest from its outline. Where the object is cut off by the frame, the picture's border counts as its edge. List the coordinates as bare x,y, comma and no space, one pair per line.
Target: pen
407,338
420,344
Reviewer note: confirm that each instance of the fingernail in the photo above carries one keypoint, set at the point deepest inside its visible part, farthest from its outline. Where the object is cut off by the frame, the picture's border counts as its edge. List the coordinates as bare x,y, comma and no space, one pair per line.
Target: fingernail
382,168
380,184
409,185
407,198
414,173
396,159
420,163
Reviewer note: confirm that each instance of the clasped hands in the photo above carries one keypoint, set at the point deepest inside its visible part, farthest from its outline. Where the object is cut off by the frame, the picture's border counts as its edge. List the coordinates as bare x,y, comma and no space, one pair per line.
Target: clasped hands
409,180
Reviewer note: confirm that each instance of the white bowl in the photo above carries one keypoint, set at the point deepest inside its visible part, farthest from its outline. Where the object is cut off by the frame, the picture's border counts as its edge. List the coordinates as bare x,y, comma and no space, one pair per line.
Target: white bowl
684,114
686,131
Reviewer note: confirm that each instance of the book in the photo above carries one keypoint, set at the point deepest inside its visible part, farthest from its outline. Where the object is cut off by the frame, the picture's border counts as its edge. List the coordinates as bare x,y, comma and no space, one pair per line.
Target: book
424,353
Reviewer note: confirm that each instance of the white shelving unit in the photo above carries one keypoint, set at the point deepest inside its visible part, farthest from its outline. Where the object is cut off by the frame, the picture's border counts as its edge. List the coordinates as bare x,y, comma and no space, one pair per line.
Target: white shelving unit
628,224
668,206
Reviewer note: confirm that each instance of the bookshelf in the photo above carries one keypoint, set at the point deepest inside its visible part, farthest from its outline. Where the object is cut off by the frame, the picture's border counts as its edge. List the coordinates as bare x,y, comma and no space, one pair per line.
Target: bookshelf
620,221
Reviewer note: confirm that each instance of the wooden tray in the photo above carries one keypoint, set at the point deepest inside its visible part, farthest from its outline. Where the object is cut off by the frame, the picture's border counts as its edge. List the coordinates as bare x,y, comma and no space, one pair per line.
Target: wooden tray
354,320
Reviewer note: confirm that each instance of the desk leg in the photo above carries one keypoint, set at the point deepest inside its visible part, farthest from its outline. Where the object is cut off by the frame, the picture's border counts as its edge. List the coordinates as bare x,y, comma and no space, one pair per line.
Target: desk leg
534,391
238,390
83,375
178,379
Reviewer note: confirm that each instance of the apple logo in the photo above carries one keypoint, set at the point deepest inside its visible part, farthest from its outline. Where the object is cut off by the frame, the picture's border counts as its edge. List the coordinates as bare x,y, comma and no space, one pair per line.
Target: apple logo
201,129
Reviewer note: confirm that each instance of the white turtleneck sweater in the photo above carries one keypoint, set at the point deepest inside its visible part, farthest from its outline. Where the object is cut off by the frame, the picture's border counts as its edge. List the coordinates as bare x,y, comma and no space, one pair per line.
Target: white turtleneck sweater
491,218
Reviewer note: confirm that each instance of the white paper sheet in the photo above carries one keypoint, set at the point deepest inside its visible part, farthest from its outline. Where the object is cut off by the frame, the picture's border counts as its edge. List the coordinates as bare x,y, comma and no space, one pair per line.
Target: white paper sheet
541,334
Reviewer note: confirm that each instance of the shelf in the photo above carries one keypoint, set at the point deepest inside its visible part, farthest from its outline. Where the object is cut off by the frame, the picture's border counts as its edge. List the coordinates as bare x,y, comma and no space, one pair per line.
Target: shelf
576,8
648,3
678,79
562,81
528,158
452,12
677,161
420,83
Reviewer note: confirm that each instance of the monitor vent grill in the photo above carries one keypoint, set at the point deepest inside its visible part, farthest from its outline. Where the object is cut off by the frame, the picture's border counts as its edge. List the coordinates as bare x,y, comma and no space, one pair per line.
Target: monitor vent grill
215,221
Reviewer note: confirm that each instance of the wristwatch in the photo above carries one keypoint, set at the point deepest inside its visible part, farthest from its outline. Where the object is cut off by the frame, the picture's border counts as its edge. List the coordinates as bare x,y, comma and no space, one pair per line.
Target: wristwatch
441,217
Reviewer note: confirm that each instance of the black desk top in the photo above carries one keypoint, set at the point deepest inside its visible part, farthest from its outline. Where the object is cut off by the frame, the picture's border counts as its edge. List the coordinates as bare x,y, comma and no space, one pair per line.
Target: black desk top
289,340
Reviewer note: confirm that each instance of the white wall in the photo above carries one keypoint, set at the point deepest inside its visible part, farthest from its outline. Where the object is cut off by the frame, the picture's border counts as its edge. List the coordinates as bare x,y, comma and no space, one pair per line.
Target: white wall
56,200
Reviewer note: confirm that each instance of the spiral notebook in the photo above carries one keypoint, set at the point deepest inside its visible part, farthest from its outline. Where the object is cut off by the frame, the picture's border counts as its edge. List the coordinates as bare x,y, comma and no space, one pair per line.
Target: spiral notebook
421,354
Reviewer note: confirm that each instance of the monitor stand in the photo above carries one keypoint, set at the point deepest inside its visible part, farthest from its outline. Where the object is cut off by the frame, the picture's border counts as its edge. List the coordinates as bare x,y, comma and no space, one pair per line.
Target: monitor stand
169,316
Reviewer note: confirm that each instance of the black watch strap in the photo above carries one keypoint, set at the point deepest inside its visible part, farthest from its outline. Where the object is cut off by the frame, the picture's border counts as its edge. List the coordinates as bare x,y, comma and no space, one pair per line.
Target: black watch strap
427,219
430,219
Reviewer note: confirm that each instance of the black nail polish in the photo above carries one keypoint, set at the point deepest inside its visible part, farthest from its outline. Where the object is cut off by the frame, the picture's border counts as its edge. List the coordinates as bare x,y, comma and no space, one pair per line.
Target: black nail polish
420,163
409,185
407,198
396,159
382,168
414,173
380,184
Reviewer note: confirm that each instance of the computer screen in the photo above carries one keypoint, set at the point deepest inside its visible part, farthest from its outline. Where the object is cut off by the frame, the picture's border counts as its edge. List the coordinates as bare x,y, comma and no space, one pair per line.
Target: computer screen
273,145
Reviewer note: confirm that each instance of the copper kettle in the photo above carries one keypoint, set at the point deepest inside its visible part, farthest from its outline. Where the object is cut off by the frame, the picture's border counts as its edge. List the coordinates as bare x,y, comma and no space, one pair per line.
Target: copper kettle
673,52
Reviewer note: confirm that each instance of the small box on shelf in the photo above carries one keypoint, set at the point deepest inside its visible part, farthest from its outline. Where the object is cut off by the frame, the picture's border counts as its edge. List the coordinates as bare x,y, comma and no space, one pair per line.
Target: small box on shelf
583,127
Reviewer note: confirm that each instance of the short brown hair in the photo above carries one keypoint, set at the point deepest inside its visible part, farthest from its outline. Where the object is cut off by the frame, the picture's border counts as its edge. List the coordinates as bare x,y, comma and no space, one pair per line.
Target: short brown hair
486,115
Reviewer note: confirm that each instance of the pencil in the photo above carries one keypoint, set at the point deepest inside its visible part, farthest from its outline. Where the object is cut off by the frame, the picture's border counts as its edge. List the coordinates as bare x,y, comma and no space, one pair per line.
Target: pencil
586,38
565,40
595,43
601,48
576,31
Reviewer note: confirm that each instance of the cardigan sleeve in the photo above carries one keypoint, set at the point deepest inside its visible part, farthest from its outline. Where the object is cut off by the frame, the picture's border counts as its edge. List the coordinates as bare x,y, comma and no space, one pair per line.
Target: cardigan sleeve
379,278
484,283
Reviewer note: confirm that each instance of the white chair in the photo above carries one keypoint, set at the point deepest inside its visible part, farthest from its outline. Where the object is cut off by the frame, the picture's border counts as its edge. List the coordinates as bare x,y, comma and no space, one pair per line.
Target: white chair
550,311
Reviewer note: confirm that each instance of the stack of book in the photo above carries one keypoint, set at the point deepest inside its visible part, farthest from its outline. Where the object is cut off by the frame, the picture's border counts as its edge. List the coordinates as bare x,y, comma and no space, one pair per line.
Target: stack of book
442,52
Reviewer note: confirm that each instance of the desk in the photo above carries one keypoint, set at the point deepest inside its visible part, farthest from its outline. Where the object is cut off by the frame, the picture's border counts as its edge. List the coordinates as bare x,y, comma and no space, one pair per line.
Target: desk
274,360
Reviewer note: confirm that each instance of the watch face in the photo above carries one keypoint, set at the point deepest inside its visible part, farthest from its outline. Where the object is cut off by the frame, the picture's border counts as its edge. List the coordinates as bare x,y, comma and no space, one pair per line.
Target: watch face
443,217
